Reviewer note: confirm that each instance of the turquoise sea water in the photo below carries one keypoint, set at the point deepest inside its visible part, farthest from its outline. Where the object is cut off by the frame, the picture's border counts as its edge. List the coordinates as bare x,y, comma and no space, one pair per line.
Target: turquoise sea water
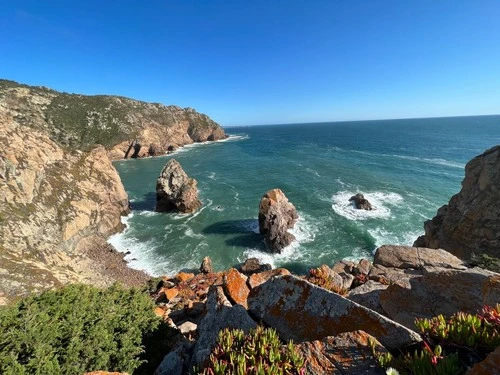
407,169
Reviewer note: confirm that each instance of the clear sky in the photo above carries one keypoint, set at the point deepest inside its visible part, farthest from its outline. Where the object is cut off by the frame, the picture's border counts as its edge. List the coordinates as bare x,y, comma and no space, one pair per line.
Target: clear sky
260,62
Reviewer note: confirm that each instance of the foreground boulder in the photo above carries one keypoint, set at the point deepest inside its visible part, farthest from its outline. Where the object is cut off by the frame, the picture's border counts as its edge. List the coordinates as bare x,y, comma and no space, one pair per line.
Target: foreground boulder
444,292
301,311
276,216
348,353
220,314
360,202
469,223
175,191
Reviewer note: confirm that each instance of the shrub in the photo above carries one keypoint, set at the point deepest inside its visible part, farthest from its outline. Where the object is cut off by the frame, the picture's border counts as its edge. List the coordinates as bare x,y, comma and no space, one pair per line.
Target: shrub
76,329
258,353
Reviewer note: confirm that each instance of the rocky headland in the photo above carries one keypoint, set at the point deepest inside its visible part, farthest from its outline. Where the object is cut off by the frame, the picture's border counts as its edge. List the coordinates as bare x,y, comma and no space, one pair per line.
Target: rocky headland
469,224
60,195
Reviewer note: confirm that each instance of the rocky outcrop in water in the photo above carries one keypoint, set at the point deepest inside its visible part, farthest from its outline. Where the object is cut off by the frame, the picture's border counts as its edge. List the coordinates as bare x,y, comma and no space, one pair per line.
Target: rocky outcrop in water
175,191
469,223
360,202
276,216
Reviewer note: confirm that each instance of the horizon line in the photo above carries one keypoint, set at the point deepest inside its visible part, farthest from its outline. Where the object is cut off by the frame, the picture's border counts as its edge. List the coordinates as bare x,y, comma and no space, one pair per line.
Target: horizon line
371,120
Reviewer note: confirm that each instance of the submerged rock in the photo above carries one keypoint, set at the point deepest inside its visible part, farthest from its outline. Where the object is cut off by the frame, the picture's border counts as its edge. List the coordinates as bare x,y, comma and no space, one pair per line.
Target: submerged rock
469,223
175,191
360,202
276,216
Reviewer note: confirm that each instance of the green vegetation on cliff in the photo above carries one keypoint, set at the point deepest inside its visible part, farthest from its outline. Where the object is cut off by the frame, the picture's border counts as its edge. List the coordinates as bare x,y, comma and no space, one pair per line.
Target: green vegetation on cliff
81,121
80,328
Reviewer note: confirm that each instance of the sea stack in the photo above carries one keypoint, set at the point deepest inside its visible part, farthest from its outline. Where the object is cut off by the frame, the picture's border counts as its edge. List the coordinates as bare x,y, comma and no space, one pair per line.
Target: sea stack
175,190
276,216
360,202
468,224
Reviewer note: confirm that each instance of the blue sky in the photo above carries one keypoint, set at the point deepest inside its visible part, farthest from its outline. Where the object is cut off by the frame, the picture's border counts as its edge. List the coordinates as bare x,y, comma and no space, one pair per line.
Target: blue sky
260,62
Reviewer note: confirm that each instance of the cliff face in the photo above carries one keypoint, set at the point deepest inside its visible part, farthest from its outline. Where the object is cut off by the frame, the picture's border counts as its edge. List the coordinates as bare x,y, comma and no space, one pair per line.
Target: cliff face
60,196
469,222
54,205
80,122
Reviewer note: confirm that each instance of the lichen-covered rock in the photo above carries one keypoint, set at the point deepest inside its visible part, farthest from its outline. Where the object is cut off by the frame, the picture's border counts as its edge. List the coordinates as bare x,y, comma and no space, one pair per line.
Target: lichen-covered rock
259,278
360,202
469,223
276,216
175,190
220,314
301,311
236,288
368,295
444,292
347,353
415,257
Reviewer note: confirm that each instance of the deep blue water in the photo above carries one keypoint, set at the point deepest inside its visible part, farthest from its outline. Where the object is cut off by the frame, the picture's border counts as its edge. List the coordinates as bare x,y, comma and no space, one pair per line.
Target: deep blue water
407,169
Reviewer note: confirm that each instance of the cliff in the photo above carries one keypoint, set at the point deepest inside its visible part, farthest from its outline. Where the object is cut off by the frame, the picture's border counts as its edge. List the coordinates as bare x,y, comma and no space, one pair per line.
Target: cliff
80,121
60,196
469,223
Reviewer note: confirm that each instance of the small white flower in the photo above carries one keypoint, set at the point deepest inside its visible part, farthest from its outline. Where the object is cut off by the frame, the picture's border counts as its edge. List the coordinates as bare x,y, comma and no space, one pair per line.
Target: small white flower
392,371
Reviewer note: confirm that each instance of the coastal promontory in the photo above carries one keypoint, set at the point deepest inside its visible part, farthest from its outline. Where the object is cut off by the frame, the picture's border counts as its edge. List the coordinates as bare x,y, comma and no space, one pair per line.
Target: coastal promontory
60,196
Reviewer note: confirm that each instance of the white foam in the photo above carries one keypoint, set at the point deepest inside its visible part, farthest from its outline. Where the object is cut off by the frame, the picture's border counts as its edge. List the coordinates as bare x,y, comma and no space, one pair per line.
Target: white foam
379,201
383,236
303,231
189,232
211,175
148,213
310,170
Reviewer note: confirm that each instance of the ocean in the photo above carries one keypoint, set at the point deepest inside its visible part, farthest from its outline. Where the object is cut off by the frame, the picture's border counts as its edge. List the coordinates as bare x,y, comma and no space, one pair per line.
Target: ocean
406,168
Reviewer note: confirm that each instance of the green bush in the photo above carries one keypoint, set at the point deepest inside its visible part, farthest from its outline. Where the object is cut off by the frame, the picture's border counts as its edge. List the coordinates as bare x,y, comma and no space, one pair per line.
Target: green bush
76,329
258,353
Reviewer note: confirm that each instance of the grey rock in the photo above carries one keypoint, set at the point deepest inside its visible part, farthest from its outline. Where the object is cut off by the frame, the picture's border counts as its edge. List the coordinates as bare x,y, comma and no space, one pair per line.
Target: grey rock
469,223
415,257
302,311
360,202
175,191
187,327
444,292
206,265
348,353
276,216
253,265
220,314
368,295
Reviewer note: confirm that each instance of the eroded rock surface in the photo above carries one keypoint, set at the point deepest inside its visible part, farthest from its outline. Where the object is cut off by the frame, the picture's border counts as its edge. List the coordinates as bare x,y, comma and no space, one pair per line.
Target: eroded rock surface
443,292
276,216
469,223
56,205
301,311
175,191
348,353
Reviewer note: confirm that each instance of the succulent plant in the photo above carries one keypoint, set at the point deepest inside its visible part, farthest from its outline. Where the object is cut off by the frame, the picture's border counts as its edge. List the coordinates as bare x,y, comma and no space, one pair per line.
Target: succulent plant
258,353
321,277
480,332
